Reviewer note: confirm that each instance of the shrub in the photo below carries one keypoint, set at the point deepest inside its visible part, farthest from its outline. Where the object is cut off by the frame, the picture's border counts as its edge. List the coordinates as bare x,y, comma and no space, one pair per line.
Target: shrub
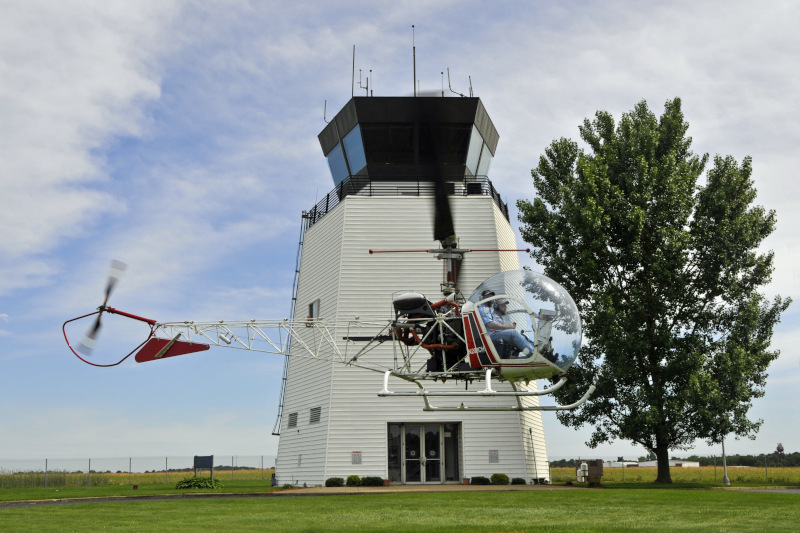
353,481
334,482
372,481
198,483
287,486
499,479
518,481
480,480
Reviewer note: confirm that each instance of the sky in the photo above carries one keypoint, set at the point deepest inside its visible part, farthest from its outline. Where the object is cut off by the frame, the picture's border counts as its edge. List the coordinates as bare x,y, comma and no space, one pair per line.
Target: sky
180,138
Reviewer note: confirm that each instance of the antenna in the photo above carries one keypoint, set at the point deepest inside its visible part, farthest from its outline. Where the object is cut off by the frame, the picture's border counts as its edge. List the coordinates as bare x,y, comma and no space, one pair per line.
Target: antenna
470,86
442,73
325,113
366,80
450,86
353,77
414,55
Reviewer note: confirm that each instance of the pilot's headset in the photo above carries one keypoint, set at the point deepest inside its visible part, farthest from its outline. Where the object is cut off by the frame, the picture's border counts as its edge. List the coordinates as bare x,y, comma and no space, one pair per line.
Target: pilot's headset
496,303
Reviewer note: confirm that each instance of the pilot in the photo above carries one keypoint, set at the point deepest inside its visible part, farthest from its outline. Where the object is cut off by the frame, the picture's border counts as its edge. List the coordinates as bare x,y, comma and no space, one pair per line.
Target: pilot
501,332
500,311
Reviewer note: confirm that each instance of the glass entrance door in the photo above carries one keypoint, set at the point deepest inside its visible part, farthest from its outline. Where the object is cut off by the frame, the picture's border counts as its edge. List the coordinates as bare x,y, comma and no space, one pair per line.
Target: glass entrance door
423,453
433,454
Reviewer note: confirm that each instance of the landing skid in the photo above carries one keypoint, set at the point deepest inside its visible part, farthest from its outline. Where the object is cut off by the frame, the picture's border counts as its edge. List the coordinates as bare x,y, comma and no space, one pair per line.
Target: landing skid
487,392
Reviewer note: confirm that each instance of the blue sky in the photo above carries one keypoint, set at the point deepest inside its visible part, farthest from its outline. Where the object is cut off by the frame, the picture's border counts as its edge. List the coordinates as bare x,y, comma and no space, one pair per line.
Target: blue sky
180,137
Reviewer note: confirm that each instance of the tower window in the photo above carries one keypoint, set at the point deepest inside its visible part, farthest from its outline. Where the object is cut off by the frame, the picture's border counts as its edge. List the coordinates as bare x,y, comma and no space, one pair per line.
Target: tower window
316,413
313,310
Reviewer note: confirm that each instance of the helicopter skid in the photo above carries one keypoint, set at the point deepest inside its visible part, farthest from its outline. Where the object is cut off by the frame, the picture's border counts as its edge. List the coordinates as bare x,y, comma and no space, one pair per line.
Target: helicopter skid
487,392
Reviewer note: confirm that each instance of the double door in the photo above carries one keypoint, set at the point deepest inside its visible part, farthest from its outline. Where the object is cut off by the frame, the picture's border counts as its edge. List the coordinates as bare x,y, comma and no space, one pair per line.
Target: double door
423,453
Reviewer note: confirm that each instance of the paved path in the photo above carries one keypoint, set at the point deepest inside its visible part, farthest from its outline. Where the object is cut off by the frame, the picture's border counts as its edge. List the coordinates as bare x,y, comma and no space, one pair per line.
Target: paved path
291,493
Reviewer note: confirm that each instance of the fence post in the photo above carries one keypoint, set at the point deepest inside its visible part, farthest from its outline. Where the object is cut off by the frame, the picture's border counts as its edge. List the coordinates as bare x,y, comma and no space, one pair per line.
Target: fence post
262,468
623,471
231,468
130,470
166,469
89,481
766,468
45,473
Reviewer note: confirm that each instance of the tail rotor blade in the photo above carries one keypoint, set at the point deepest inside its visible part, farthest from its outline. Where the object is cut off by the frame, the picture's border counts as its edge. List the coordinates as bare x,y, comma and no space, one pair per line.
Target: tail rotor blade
115,273
90,339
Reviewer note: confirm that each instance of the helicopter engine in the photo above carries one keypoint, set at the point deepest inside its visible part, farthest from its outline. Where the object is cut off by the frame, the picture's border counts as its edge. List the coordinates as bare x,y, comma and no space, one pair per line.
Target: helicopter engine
436,327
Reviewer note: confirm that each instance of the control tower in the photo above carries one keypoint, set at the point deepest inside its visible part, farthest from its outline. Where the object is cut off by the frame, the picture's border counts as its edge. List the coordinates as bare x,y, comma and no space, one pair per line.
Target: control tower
381,154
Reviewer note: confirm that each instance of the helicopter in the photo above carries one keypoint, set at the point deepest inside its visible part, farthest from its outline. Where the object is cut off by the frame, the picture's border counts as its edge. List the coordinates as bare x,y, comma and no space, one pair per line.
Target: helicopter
517,326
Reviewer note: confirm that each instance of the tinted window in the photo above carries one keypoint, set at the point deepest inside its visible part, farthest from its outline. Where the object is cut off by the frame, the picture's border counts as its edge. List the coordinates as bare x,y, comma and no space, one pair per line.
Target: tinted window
474,152
388,144
486,161
452,140
337,165
354,149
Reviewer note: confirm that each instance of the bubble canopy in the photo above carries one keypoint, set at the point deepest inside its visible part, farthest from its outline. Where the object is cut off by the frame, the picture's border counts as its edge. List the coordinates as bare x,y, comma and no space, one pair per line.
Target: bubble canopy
549,312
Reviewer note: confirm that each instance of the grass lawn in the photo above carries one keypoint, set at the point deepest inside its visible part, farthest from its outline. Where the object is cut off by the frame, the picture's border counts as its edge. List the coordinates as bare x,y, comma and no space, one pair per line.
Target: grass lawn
575,510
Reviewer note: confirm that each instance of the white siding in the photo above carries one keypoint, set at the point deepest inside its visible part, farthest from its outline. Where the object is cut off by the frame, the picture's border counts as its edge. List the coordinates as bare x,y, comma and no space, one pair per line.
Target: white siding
337,268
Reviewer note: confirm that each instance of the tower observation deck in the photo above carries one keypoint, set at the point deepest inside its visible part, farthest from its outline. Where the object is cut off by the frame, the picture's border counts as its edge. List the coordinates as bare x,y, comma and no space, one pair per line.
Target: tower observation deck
395,146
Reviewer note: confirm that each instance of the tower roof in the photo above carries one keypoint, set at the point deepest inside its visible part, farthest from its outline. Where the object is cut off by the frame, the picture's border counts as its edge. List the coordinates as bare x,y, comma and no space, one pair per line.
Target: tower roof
398,138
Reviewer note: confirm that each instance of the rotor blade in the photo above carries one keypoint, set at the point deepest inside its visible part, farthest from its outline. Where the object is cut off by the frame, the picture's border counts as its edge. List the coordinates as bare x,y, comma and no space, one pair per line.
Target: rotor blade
90,339
442,217
114,274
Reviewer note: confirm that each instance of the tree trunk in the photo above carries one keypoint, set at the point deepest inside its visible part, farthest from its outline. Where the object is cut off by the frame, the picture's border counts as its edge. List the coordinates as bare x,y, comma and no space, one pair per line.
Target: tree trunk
662,460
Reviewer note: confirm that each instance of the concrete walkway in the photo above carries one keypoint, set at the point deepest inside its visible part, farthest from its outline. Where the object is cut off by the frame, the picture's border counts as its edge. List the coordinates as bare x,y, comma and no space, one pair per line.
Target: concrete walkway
289,493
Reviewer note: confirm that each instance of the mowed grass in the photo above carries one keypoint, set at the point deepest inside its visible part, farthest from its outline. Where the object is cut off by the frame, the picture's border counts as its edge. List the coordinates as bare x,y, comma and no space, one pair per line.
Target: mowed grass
544,510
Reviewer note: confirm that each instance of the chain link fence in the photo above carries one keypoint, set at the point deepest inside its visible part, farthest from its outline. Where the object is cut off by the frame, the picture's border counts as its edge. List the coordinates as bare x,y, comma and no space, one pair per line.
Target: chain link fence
128,470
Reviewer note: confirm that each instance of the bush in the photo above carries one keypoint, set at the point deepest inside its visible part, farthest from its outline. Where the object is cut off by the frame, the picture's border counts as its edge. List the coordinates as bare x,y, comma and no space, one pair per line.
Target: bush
353,481
334,482
372,481
499,479
480,480
287,486
518,481
198,483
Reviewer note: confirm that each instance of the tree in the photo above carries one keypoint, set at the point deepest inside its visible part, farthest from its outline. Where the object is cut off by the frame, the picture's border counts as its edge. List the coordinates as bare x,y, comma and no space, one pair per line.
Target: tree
665,270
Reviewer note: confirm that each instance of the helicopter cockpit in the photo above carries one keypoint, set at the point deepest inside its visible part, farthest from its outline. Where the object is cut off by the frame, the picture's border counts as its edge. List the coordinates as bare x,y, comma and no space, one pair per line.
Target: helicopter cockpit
544,313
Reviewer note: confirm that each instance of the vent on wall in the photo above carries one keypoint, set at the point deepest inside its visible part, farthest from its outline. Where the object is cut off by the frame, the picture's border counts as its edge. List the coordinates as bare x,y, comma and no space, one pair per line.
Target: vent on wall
316,412
292,420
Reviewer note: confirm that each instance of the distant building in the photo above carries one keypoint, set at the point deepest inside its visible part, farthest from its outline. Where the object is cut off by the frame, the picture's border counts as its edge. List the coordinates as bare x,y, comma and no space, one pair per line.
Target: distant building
680,463
620,464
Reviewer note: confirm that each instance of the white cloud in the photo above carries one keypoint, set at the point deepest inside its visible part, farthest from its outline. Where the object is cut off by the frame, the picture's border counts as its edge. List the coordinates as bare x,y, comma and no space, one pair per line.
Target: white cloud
75,74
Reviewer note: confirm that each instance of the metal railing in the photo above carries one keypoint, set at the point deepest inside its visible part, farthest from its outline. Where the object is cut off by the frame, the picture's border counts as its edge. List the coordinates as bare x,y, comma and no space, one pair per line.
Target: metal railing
365,186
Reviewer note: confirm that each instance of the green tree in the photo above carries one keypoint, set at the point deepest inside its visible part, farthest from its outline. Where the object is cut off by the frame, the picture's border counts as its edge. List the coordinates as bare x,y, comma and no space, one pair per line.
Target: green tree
665,269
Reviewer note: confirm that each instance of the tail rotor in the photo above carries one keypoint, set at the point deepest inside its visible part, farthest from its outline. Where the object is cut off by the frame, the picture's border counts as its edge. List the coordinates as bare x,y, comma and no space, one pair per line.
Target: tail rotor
87,344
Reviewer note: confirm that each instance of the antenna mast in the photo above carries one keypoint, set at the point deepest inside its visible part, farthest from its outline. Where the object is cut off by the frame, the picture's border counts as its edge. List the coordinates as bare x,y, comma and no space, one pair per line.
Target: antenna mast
353,77
414,57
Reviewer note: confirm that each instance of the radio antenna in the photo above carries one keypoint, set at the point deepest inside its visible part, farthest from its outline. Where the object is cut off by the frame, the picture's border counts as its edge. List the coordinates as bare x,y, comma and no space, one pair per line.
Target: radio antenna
325,113
470,86
414,58
353,77
450,86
